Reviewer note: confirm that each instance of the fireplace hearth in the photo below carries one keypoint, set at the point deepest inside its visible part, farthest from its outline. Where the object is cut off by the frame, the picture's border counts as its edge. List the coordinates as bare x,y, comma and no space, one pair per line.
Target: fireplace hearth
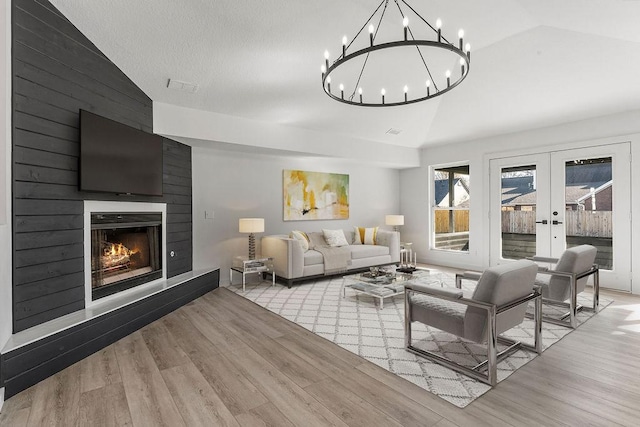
126,251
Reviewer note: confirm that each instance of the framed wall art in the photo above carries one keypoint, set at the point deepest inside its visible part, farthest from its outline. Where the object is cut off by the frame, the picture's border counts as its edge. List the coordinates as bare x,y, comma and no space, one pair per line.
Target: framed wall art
315,195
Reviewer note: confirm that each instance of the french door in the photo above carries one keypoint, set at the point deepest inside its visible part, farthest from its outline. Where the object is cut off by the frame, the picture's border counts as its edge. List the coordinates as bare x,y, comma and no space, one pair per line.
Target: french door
543,203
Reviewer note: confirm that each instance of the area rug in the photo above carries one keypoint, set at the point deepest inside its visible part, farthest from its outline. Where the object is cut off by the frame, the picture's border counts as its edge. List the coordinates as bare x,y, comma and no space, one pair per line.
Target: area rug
355,323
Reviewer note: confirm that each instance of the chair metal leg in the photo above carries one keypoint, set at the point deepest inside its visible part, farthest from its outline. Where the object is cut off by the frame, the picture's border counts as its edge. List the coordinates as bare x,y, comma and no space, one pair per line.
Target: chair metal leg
538,324
492,348
596,290
407,319
573,302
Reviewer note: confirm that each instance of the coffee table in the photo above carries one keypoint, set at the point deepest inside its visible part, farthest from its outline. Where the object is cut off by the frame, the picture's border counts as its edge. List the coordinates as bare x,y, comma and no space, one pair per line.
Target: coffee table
385,285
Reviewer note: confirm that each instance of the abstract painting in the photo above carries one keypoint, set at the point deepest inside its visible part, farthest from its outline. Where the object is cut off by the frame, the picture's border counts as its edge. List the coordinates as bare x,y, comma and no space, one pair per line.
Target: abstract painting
315,195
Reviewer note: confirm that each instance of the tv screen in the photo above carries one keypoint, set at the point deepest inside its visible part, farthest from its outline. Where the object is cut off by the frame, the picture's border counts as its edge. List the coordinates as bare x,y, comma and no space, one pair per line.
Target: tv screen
117,158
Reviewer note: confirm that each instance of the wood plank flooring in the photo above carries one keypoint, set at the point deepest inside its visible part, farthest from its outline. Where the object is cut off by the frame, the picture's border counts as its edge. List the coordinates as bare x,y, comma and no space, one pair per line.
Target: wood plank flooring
224,361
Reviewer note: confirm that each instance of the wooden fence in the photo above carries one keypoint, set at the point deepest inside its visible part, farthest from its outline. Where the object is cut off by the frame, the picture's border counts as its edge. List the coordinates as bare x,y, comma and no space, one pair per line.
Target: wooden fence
577,223
460,221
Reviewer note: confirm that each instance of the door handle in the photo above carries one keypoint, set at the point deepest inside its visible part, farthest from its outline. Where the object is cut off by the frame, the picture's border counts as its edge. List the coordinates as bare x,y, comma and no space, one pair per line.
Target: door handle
544,221
554,222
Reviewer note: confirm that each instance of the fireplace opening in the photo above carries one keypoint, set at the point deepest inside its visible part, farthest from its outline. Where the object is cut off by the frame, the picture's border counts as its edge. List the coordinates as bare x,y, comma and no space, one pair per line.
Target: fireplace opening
126,251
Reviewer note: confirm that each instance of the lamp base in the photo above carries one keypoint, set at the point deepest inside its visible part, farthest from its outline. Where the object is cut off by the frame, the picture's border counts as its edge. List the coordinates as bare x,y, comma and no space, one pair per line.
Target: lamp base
252,246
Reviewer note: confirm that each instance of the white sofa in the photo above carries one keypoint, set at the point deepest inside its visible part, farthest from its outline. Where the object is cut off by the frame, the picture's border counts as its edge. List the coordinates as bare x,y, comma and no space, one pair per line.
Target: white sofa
291,263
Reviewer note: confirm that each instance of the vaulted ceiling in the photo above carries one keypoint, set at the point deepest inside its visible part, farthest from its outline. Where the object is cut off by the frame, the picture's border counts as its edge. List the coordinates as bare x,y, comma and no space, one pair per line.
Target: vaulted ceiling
534,63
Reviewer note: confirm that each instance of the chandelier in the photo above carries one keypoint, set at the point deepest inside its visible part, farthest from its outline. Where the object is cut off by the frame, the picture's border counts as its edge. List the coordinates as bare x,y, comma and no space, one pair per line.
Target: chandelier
414,62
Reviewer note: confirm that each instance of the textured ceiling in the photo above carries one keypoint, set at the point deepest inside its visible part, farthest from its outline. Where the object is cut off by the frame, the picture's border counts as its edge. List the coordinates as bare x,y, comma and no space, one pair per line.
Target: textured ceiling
534,63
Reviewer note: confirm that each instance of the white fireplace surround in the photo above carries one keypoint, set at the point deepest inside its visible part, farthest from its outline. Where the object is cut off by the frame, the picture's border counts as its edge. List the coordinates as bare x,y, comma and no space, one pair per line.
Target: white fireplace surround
91,206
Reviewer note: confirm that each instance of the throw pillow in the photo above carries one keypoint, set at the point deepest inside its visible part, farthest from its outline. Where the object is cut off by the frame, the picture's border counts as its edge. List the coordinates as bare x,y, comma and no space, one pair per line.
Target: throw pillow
335,237
366,236
302,238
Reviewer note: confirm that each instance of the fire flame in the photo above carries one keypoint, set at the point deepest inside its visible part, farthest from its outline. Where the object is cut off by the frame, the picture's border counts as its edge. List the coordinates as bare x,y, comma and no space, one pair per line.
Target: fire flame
118,249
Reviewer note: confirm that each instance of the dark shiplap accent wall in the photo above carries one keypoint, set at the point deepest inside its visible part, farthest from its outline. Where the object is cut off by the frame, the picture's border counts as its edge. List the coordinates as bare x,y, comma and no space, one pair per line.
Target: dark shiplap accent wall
56,72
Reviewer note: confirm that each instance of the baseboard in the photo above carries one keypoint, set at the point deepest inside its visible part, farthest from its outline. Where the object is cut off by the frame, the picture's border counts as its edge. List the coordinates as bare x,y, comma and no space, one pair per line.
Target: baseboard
30,364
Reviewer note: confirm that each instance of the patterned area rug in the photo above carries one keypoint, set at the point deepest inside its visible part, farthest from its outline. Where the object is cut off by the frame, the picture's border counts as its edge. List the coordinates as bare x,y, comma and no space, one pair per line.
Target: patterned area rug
355,323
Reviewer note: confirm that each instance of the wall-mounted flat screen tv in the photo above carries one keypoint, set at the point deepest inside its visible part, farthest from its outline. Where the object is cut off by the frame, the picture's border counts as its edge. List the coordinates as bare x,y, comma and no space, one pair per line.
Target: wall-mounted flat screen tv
116,158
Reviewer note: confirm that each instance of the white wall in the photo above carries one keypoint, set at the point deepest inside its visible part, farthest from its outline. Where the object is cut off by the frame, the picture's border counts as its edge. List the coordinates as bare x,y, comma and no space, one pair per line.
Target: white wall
233,185
416,193
5,177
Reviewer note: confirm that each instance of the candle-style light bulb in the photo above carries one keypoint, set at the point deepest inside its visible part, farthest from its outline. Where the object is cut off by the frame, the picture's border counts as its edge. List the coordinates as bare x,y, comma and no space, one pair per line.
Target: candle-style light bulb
326,59
360,93
439,28
405,24
372,29
344,46
428,87
406,91
329,83
461,37
448,74
468,49
323,68
326,54
383,92
341,91
462,63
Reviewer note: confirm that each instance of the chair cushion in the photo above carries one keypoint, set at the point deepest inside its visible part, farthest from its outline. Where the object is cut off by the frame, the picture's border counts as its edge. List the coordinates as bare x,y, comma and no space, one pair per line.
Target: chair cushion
441,314
368,251
500,285
574,260
542,280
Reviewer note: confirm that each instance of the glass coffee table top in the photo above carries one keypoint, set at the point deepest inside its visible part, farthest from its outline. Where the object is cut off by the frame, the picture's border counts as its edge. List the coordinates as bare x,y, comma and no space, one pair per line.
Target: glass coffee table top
383,284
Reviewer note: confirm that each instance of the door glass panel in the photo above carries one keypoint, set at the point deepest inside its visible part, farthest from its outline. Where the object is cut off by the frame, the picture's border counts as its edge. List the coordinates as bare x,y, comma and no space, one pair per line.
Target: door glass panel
451,208
589,207
518,211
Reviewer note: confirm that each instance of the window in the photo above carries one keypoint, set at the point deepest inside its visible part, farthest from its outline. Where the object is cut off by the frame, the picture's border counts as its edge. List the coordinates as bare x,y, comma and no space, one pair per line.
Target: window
451,208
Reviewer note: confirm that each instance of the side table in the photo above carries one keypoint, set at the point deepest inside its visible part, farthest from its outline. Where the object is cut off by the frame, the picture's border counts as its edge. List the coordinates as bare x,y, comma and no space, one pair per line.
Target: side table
244,266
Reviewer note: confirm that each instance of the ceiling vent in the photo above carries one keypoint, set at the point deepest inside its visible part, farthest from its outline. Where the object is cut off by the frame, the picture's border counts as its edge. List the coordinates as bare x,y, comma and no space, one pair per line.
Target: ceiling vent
183,86
393,131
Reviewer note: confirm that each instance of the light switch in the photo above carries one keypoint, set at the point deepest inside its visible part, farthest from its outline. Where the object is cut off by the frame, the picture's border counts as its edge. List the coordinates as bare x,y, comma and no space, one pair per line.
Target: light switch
209,214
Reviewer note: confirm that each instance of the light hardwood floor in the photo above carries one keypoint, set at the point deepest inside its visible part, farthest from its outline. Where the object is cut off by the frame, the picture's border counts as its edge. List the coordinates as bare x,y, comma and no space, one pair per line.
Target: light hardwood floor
222,360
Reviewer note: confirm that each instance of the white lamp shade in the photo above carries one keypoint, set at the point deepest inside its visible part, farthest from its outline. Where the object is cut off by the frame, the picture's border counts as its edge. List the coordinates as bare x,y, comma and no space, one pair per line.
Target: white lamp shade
251,225
394,220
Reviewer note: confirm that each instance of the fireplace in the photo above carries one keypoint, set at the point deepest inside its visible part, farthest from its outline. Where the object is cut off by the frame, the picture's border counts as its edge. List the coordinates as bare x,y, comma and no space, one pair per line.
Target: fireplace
126,251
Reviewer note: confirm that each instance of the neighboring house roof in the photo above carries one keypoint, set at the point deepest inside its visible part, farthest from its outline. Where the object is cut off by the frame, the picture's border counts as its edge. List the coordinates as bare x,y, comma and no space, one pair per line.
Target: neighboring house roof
519,191
596,191
441,187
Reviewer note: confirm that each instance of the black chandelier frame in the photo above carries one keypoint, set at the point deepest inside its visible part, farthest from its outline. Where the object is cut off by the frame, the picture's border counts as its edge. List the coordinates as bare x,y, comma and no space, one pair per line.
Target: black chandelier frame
440,43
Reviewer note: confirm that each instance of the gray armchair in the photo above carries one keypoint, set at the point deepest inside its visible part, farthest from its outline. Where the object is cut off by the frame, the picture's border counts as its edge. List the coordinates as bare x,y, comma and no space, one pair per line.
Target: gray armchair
498,304
567,280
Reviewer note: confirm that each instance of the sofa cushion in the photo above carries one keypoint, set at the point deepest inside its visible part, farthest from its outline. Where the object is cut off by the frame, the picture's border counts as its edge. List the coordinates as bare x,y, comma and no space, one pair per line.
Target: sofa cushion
335,237
312,257
365,236
302,238
368,251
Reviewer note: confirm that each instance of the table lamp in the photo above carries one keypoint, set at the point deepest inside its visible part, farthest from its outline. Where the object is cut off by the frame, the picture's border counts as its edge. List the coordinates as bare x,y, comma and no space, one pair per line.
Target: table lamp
251,225
395,220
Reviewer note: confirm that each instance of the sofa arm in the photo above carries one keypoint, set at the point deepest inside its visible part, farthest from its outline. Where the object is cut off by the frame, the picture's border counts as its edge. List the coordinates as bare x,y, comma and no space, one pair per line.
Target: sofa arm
287,254
391,239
